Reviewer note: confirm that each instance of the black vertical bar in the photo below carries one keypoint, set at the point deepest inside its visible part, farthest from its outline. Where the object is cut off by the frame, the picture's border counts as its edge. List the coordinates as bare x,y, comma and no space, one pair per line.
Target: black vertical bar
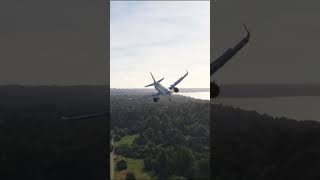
108,88
211,114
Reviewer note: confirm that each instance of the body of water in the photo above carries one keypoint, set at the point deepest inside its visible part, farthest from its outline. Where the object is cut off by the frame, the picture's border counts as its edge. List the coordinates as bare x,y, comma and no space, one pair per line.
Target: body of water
197,95
299,108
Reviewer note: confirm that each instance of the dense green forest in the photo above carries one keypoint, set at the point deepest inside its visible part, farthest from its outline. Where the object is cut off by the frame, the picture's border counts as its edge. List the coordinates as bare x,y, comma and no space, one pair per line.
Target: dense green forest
250,146
172,138
35,143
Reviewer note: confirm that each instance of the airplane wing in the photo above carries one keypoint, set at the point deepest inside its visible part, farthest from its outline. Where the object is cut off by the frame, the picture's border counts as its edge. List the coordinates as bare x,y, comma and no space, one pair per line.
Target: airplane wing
86,116
146,96
178,81
227,55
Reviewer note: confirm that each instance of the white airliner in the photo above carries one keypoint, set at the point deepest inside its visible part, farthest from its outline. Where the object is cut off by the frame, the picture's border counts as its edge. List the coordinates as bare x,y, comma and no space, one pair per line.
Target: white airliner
214,88
159,87
163,90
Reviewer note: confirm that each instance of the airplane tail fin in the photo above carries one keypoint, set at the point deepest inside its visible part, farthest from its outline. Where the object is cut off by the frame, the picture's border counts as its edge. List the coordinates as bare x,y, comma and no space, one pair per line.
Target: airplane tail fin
153,77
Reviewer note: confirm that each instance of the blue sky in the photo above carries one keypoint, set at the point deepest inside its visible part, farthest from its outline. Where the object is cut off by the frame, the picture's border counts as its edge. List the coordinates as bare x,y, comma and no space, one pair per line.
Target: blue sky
164,37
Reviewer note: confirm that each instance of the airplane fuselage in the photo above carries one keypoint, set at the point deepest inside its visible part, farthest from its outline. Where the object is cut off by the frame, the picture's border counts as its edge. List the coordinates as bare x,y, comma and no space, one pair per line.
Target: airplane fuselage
162,90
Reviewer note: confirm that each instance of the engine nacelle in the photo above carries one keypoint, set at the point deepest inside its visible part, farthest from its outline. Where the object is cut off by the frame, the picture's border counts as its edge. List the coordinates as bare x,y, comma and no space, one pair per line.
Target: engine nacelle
175,89
155,99
214,90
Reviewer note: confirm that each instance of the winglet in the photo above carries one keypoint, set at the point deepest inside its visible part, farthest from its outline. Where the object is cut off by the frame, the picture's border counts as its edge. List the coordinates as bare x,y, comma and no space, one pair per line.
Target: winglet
248,32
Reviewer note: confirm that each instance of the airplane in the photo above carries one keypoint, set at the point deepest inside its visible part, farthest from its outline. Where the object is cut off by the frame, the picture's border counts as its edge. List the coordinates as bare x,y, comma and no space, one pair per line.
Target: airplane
214,88
159,87
167,92
223,59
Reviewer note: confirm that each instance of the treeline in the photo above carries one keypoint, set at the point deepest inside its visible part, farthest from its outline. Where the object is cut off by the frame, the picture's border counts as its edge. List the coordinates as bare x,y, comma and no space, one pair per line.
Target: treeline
36,144
173,136
251,146
269,90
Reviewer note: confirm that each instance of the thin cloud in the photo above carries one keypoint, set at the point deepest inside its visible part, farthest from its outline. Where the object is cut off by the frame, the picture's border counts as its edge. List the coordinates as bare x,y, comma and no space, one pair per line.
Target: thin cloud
163,37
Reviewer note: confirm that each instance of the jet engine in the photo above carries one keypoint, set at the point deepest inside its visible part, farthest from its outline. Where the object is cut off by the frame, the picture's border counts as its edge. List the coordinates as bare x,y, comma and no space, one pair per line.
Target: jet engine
175,89
214,90
155,99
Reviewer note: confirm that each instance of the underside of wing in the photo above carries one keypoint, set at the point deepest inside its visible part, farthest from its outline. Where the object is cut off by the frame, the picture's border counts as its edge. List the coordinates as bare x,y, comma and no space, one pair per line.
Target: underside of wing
86,116
228,54
178,81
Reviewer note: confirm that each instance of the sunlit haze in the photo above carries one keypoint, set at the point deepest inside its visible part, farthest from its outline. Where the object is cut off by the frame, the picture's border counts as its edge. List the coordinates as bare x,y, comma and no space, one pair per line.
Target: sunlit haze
161,37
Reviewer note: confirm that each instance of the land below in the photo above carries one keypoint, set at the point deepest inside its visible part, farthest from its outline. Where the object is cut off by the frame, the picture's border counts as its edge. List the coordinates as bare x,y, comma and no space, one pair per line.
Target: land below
37,144
164,140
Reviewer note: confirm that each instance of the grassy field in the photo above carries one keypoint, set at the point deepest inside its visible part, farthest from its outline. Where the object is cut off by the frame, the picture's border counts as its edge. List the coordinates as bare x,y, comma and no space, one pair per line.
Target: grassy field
135,166
126,140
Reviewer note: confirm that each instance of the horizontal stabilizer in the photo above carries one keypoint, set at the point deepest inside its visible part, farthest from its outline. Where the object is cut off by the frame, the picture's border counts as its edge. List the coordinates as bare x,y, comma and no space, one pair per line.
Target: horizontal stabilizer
149,85
160,80
153,83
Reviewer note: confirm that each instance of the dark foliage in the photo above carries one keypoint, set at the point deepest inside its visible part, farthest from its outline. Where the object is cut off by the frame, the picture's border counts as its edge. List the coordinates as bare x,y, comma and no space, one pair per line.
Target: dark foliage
173,136
250,146
37,144
121,165
130,176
